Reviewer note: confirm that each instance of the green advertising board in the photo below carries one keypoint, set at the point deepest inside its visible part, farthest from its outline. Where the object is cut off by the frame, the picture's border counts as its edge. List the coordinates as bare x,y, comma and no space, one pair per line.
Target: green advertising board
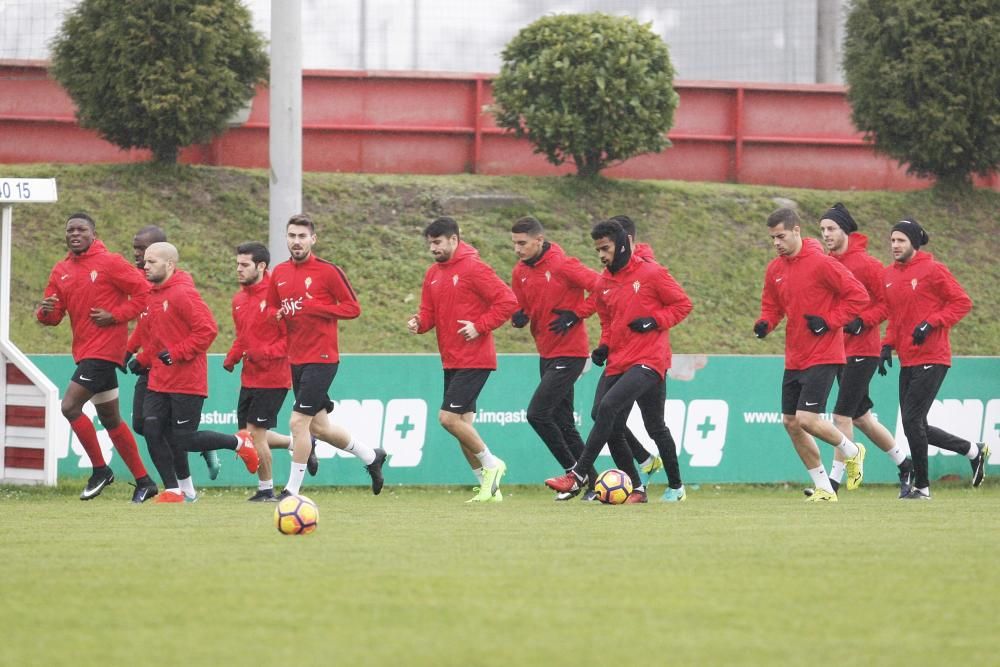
724,413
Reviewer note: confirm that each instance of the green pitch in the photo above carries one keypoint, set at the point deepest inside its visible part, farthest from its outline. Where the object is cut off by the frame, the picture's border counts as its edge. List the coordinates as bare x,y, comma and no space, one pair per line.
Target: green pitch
737,575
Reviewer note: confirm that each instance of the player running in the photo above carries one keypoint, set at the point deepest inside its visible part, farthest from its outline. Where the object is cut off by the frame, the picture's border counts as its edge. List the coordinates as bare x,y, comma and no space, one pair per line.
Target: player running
638,302
819,296
101,292
464,300
311,295
550,286
925,302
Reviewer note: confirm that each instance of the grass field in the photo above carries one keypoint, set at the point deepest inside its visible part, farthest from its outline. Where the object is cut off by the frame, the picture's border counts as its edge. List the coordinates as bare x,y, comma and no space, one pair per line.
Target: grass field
738,575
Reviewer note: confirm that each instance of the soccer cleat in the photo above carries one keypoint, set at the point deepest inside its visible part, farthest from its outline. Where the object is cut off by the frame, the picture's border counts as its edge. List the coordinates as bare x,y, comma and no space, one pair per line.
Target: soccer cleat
651,467
565,483
916,494
822,496
589,496
674,495
212,461
245,450
100,478
191,499
855,468
979,464
491,480
170,497
375,470
567,495
808,491
312,463
835,484
144,491
285,493
498,498
905,477
636,497
263,496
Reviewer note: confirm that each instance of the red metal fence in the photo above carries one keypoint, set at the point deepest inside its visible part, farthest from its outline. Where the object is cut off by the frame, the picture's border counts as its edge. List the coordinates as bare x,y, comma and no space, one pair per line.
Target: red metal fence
412,122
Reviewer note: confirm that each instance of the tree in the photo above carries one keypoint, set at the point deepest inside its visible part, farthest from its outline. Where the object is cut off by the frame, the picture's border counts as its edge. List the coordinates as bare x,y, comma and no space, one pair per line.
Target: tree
591,87
924,79
158,74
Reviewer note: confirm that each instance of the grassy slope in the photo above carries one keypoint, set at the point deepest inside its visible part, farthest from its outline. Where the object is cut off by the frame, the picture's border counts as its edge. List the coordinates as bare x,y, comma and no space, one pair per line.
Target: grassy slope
712,236
738,575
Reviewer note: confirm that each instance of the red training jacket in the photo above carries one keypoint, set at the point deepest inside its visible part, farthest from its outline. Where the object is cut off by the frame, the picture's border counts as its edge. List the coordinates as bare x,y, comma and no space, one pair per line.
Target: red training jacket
868,271
642,288
312,295
464,288
555,281
261,339
139,340
180,322
922,289
811,283
96,278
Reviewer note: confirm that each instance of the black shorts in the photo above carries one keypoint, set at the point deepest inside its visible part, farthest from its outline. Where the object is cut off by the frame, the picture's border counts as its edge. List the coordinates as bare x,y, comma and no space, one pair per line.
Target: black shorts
96,375
259,407
807,389
311,382
178,412
854,377
462,387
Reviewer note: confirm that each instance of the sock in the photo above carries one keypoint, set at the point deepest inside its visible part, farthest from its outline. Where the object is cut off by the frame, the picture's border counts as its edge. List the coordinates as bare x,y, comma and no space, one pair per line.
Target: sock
848,448
173,489
640,488
837,471
362,451
187,487
124,442
819,478
897,454
478,472
264,485
486,458
681,489
295,476
87,435
647,462
973,451
926,490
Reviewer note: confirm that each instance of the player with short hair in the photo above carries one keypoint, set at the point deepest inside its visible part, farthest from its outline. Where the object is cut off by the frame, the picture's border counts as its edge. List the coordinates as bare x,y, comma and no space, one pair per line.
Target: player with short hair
101,292
638,302
550,286
181,329
311,295
261,345
464,300
924,302
861,345
819,296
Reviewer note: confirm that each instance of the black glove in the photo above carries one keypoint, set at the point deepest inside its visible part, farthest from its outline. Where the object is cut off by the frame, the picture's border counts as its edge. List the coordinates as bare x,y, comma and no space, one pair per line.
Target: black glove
124,364
563,322
854,327
599,355
884,357
921,332
136,367
760,328
165,358
643,325
519,319
816,324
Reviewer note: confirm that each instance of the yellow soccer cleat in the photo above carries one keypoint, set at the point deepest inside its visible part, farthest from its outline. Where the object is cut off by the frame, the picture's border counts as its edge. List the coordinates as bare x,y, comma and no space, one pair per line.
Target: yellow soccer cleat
855,468
491,481
822,496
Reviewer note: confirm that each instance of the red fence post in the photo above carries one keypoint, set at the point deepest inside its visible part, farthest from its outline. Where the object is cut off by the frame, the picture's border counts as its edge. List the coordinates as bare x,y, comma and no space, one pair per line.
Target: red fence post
738,136
477,124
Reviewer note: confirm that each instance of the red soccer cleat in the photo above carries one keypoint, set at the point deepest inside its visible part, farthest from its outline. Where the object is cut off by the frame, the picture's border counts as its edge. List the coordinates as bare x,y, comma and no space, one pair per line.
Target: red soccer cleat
245,450
169,497
636,497
563,483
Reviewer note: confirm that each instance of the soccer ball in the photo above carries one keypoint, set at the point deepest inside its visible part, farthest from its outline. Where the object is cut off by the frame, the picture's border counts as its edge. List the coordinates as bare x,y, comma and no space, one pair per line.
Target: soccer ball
613,487
296,515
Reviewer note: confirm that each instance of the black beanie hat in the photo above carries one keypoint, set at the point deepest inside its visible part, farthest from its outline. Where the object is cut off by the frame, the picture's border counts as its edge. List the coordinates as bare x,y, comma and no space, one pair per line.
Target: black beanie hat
839,214
913,231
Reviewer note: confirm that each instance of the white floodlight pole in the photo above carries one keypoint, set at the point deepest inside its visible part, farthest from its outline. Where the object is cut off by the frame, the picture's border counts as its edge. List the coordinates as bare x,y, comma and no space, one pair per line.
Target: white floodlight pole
285,136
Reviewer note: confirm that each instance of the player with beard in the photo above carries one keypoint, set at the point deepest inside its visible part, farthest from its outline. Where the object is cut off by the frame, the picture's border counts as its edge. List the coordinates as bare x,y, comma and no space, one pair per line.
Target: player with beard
819,296
861,345
638,302
464,300
924,302
101,292
311,295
